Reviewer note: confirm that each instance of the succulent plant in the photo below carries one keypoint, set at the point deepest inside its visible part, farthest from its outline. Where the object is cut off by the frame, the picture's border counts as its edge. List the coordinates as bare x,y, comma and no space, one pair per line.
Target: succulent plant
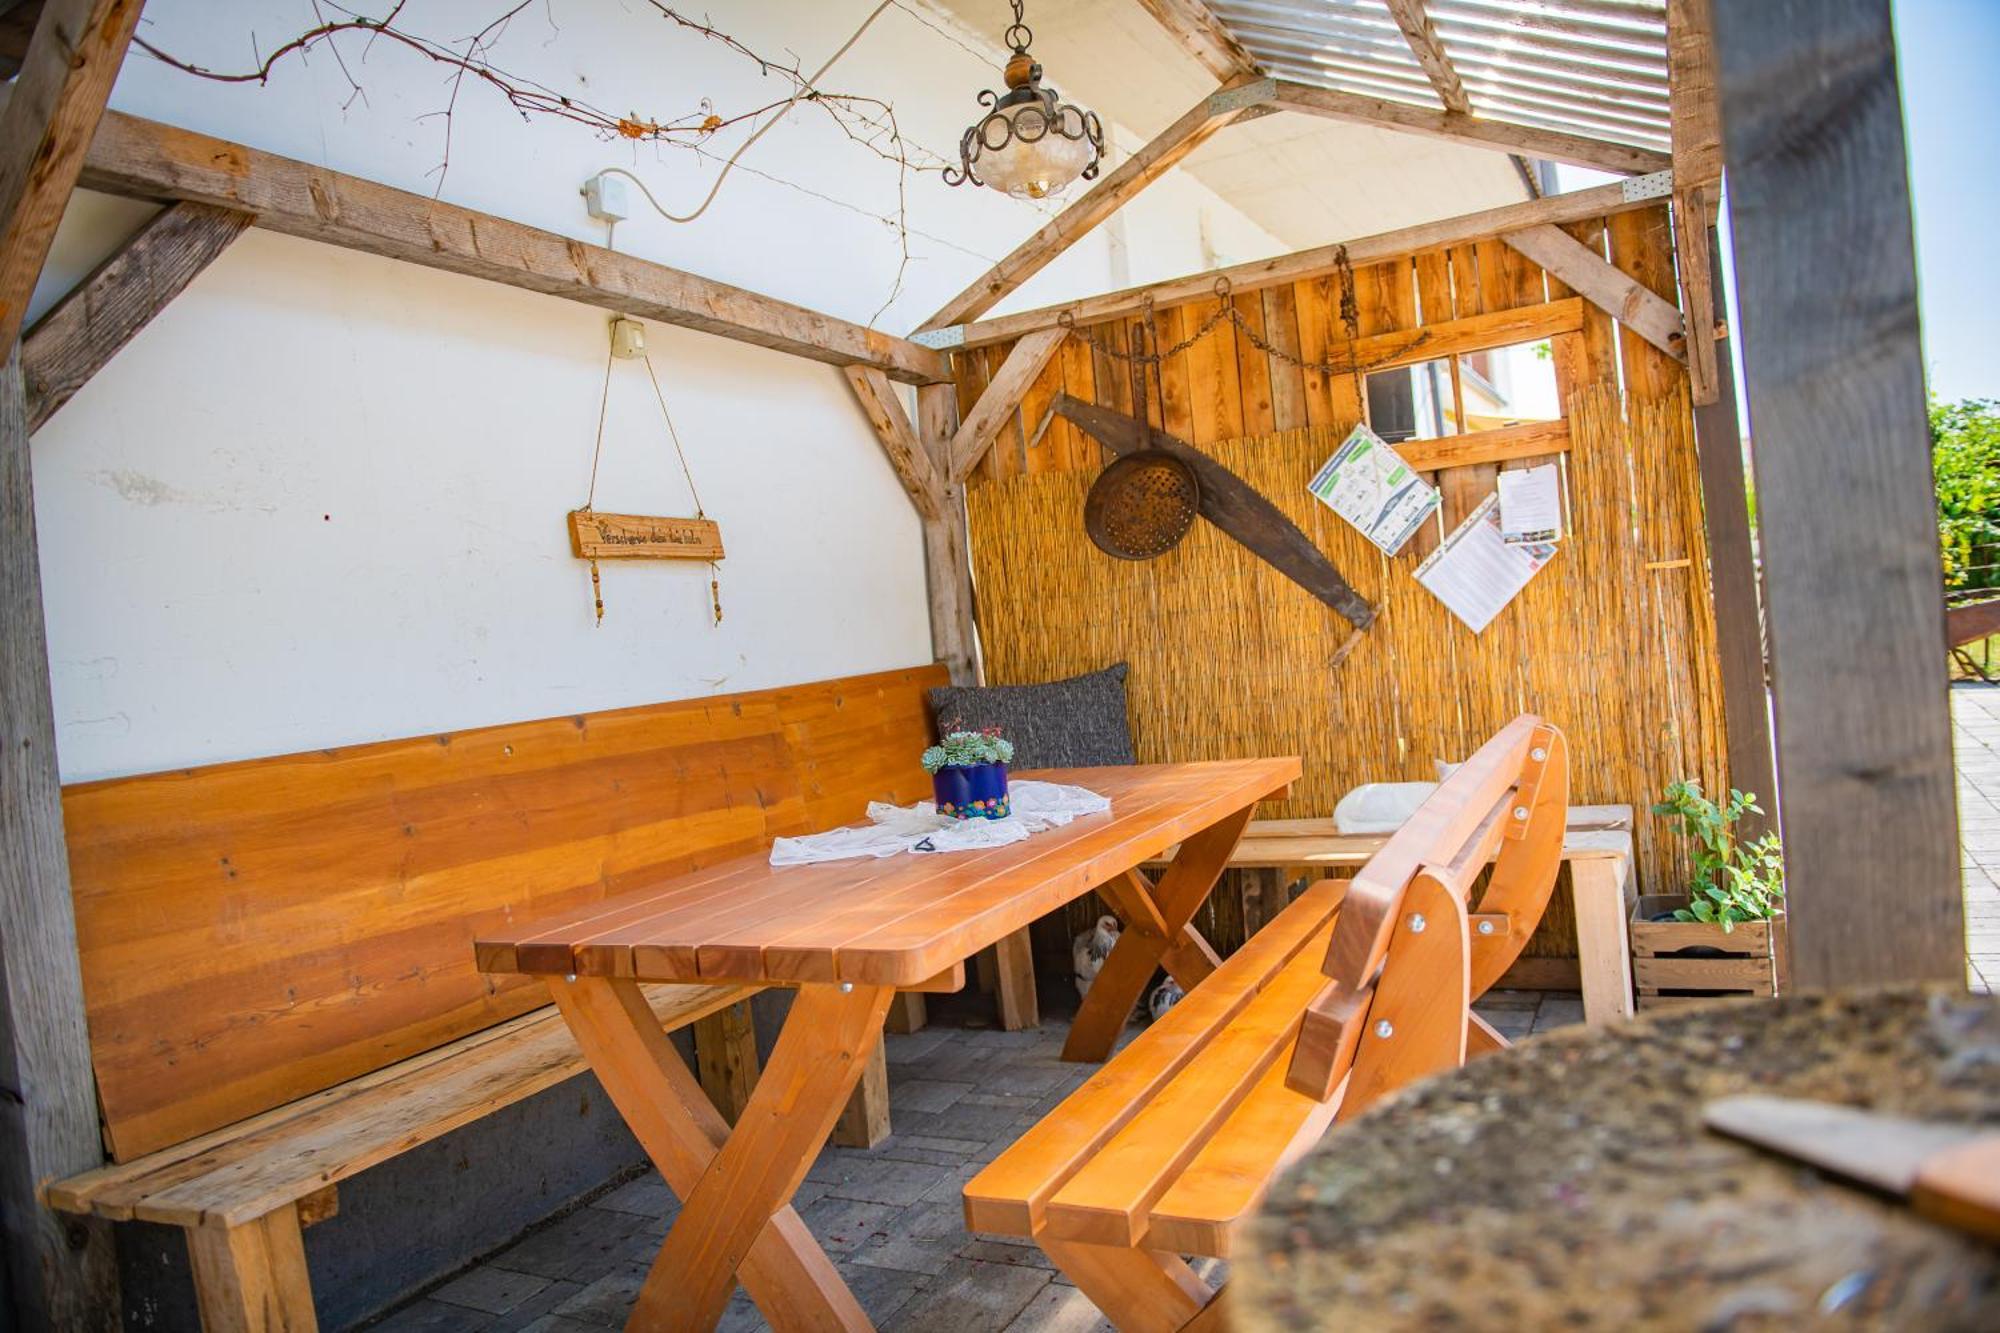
967,749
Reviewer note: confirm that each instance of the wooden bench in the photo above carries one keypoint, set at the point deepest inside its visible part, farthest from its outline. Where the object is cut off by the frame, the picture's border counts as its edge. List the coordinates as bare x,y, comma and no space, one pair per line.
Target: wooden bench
1597,848
278,958
1355,989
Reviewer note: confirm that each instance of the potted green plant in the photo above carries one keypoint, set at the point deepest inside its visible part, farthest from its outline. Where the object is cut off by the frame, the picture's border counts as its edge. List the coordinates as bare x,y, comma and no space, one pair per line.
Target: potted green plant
969,773
1724,935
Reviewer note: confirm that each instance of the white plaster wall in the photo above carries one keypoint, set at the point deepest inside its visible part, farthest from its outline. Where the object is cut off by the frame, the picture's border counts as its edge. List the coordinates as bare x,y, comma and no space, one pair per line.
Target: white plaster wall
321,499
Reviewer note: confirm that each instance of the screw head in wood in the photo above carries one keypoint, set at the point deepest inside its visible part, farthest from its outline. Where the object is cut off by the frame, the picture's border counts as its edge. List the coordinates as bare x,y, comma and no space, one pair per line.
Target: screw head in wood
570,977
1520,812
1385,1029
1417,923
1486,927
1538,754
846,988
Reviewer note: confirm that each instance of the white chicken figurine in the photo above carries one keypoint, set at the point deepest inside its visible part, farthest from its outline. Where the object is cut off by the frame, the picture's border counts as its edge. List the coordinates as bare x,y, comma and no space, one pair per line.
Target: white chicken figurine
1092,947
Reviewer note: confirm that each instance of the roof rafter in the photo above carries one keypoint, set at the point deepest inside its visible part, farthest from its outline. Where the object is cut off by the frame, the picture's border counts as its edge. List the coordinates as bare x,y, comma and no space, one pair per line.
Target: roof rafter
1111,192
1428,48
1322,261
1552,145
148,160
1202,35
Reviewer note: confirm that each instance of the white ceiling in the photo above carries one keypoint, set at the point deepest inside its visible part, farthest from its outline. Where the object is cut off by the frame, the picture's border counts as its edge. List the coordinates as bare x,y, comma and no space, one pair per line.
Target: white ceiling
1306,180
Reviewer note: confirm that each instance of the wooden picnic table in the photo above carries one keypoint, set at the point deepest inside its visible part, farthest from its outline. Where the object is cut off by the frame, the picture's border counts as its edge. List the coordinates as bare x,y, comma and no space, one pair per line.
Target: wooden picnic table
848,935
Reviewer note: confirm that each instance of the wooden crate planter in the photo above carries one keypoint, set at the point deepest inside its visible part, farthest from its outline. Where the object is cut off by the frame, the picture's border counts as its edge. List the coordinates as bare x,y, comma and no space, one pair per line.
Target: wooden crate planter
1687,962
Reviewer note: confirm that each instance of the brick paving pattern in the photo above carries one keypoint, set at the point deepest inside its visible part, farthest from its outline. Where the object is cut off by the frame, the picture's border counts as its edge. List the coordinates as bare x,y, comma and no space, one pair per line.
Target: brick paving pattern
890,1217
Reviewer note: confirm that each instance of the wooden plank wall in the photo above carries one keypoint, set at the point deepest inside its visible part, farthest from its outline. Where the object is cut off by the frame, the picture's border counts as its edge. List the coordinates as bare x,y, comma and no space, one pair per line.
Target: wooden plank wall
254,932
1614,641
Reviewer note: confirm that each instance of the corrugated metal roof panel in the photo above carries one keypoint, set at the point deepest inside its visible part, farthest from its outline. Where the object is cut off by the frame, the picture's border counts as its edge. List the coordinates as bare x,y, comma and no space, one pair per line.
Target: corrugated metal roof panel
1592,67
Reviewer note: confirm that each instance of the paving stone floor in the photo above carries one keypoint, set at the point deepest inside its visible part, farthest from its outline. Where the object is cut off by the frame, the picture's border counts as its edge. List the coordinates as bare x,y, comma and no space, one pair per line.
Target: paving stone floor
890,1217
1975,712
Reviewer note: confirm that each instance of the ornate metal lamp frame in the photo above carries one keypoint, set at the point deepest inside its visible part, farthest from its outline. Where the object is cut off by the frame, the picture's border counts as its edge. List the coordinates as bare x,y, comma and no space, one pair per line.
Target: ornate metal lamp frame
996,130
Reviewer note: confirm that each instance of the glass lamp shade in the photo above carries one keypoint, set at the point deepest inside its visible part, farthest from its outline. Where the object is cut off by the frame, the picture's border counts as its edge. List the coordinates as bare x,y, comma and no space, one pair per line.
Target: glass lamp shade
1025,158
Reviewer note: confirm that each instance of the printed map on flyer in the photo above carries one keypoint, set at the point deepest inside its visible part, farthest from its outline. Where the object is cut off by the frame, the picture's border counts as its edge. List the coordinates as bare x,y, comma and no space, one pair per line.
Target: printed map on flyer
1367,483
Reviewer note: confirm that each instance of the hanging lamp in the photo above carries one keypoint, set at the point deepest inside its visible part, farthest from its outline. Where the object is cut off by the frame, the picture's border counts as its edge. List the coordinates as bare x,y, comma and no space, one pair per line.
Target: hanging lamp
1031,144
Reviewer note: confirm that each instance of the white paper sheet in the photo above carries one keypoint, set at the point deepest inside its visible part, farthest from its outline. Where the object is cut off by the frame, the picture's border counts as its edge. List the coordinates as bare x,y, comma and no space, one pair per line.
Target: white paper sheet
1367,483
1531,505
1474,573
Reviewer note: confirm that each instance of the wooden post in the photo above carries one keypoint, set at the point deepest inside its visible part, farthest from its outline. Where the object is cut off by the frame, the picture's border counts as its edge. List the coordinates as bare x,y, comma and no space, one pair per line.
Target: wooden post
61,1272
1733,581
947,559
1812,135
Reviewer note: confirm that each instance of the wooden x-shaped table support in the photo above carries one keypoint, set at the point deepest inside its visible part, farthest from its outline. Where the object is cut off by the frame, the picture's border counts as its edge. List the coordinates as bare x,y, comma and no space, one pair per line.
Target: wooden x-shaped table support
1155,934
736,1219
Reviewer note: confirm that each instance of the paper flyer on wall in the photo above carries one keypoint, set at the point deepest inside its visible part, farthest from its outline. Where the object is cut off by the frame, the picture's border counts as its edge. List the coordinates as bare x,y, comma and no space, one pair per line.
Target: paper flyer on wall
1367,483
1475,573
1531,505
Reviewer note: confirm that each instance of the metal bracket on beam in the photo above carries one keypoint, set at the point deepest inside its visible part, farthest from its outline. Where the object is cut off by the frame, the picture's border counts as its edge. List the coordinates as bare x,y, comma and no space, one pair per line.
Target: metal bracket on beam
1255,93
941,340
1659,185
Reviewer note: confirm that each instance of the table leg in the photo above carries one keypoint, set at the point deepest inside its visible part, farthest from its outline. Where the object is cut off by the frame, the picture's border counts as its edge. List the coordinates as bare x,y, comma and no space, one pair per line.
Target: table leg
1603,944
1156,933
736,1187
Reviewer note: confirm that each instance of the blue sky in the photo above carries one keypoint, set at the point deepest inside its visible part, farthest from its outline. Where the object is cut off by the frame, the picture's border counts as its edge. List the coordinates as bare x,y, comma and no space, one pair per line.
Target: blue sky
1950,56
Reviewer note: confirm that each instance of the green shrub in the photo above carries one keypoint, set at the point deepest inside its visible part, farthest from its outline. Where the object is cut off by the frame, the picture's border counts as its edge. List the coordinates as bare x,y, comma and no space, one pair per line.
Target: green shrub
1733,880
1965,456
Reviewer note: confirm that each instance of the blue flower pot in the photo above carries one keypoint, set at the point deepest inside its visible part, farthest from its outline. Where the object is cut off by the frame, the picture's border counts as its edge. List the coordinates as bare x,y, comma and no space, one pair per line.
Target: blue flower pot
978,792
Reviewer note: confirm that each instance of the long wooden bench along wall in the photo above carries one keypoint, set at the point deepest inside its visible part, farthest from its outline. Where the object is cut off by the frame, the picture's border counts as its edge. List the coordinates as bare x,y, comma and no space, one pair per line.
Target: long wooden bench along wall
1614,641
255,932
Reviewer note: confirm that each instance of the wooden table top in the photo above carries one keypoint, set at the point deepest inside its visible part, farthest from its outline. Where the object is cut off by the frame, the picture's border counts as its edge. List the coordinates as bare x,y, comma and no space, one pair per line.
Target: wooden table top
1569,1183
897,920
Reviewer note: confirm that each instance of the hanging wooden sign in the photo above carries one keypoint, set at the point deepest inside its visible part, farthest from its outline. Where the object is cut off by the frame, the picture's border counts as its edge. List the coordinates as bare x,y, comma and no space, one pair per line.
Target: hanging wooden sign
599,536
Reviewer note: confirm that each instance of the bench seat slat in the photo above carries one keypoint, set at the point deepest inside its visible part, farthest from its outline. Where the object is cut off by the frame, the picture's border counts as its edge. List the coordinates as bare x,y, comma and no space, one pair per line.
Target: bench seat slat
1010,1195
241,1172
1233,1171
1106,1201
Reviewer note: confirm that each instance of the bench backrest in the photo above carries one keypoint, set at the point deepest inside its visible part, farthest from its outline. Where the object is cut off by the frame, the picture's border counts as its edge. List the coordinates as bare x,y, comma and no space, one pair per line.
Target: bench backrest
1409,952
255,932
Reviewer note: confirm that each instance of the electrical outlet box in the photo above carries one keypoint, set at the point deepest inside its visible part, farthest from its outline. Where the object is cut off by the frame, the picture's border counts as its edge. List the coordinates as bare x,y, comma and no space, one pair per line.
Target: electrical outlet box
607,198
628,339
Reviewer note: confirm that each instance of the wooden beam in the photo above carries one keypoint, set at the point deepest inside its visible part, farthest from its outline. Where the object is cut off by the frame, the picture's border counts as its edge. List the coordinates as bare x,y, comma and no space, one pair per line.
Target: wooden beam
1694,246
892,431
1203,36
996,406
1498,445
51,111
1694,116
947,553
1111,192
75,339
1697,145
1592,277
148,160
1812,131
61,1273
1322,261
1428,48
1551,145
1733,585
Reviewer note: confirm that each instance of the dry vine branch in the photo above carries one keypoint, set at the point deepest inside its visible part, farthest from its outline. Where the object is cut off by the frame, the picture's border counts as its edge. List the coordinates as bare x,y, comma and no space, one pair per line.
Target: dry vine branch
869,122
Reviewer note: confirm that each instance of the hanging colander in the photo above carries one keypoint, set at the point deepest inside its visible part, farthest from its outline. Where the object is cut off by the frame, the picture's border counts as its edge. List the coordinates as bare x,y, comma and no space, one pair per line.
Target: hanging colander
1141,505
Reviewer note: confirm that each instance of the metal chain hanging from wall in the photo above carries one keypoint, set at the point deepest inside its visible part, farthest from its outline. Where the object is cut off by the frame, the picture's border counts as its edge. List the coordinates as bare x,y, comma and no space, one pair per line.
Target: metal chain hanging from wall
1226,311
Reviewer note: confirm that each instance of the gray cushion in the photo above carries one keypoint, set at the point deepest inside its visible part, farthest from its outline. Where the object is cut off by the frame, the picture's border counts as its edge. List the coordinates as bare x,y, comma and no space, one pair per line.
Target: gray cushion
1074,723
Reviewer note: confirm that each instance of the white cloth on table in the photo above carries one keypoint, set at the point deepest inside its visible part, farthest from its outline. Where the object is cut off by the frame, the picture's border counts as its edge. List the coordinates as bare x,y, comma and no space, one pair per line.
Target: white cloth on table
894,829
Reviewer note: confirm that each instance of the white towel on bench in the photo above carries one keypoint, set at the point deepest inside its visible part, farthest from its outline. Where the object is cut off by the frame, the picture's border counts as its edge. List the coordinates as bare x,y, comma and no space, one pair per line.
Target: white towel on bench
894,829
